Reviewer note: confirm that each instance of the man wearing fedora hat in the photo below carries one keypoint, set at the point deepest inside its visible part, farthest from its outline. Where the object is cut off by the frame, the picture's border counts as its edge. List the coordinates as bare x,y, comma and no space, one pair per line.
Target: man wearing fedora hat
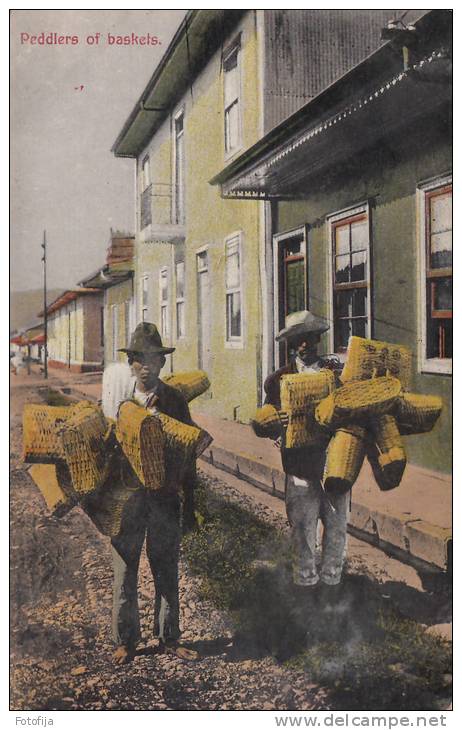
154,515
306,502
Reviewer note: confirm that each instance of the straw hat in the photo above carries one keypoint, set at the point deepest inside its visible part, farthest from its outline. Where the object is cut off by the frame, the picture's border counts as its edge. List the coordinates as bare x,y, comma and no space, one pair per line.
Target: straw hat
146,339
300,323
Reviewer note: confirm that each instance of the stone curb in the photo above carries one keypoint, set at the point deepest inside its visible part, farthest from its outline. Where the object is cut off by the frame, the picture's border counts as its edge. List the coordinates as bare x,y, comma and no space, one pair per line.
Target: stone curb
411,540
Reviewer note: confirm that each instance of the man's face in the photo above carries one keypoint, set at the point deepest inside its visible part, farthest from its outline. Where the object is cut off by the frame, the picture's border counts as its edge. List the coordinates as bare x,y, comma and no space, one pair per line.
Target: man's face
306,346
146,367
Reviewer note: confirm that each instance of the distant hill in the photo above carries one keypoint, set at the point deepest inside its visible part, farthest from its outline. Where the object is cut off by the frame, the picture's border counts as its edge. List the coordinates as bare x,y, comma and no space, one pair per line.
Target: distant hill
25,305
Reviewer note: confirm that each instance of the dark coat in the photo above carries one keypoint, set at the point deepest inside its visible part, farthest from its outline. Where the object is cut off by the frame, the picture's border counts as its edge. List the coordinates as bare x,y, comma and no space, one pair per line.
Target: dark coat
302,462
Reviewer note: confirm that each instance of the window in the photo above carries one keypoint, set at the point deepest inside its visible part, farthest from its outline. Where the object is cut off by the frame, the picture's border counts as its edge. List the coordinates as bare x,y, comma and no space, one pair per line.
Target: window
179,192
180,306
233,289
146,213
144,298
232,83
115,332
127,313
350,274
163,288
438,276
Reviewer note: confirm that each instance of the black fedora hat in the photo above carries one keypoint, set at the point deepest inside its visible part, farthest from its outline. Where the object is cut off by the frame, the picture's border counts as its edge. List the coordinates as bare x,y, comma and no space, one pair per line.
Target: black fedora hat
146,339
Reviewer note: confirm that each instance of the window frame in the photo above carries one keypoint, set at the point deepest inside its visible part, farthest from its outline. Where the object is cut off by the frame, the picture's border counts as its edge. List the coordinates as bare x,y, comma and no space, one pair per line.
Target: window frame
144,308
234,341
114,330
145,194
178,219
180,300
335,220
164,303
440,366
233,48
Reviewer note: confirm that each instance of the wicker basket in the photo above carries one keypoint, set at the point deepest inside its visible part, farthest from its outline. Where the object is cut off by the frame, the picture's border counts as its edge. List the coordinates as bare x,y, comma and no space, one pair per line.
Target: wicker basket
266,423
55,487
371,358
300,395
183,443
106,509
191,384
358,401
417,413
387,452
41,442
345,456
85,436
142,439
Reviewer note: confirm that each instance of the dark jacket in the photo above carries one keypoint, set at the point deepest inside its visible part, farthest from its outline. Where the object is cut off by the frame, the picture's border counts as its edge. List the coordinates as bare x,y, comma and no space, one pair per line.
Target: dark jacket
301,462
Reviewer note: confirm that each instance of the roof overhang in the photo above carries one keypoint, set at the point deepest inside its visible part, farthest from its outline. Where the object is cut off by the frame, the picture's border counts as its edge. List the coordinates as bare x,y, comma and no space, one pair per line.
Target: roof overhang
108,276
66,297
356,112
200,34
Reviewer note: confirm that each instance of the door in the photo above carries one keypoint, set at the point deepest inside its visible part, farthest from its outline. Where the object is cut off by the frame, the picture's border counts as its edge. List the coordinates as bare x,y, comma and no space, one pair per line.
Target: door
203,311
291,290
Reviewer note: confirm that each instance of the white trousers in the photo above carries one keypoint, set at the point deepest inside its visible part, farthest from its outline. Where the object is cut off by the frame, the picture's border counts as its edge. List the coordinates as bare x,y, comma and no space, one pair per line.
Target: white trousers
306,504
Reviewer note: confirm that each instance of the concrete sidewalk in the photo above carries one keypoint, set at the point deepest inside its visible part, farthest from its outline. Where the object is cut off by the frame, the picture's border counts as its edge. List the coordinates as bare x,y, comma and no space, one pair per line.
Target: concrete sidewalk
413,521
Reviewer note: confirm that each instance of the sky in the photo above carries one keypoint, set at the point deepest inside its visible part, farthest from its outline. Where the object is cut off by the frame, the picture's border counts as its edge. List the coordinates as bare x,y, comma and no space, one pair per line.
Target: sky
68,104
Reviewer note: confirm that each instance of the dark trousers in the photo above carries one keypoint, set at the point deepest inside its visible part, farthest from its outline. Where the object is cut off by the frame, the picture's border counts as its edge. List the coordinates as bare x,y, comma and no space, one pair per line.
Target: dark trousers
158,519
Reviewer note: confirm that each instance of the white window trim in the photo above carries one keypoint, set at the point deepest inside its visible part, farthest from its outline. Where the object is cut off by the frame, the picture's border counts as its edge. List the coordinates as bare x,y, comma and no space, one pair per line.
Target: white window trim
114,330
279,238
180,300
235,46
164,304
143,307
237,343
179,113
427,365
331,220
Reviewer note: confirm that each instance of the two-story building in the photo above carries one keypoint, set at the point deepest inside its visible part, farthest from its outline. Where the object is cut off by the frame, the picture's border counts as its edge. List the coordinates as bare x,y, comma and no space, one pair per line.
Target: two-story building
227,79
360,190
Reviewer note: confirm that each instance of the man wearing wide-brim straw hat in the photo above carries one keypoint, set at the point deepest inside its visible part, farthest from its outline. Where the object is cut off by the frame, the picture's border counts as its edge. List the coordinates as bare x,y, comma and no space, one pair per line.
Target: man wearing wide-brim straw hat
306,502
154,515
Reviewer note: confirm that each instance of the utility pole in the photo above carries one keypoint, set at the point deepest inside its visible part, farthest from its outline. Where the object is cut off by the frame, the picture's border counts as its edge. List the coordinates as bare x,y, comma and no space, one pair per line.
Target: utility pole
45,313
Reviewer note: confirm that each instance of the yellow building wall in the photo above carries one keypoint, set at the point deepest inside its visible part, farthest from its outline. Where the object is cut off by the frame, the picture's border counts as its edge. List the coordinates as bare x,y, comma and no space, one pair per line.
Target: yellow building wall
116,296
209,221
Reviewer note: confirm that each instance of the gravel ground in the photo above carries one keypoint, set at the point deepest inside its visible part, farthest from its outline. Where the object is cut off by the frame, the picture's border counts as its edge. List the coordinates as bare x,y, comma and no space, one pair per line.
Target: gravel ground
60,623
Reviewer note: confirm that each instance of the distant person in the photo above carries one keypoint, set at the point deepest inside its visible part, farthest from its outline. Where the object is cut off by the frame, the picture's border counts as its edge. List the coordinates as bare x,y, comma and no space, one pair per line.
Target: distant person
17,362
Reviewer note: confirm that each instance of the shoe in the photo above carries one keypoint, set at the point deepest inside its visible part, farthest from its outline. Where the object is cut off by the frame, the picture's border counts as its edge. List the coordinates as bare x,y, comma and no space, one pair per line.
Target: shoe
182,652
123,654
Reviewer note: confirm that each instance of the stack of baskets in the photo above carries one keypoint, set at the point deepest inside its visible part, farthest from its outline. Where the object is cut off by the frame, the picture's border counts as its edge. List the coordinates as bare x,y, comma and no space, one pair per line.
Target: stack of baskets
72,449
368,414
300,394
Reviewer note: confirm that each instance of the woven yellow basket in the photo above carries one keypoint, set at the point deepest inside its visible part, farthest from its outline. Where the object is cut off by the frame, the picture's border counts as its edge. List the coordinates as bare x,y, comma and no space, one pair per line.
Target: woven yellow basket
183,443
84,437
266,423
345,456
106,508
387,452
41,442
417,413
373,358
142,439
191,384
55,487
300,394
358,401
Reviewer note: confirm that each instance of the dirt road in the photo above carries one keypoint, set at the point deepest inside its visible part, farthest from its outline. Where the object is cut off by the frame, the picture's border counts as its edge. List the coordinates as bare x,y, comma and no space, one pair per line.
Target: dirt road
60,625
